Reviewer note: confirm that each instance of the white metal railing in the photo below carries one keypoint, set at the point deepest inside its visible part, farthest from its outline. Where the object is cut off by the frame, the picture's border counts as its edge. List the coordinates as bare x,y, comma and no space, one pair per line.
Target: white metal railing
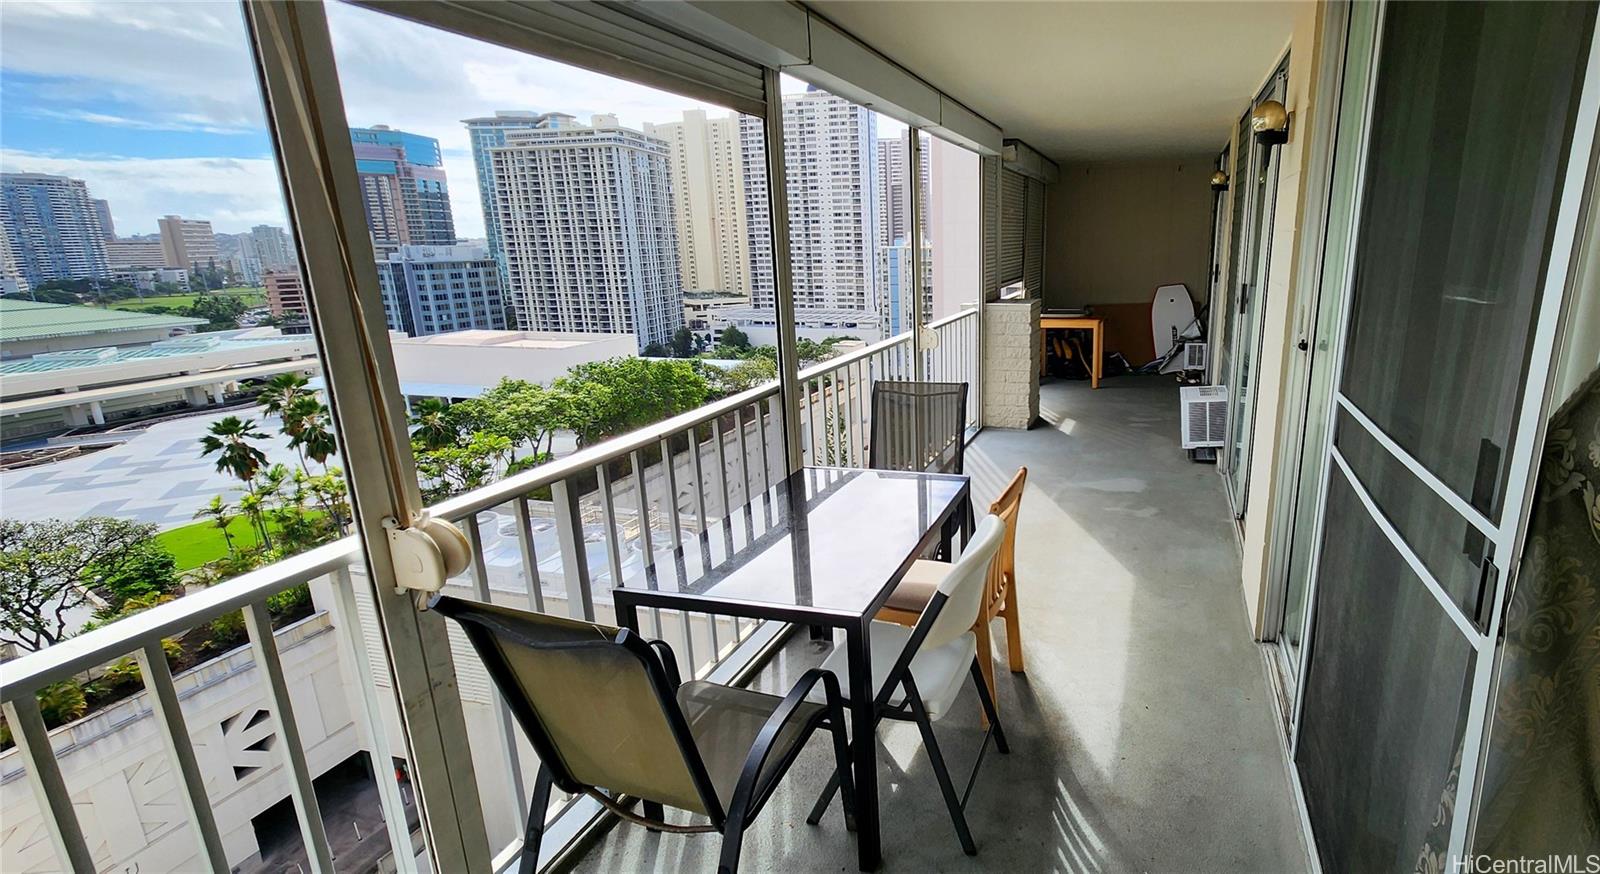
637,499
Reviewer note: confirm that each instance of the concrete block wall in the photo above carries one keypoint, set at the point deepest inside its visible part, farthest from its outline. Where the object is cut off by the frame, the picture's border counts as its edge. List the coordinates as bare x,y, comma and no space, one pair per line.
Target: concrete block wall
1011,363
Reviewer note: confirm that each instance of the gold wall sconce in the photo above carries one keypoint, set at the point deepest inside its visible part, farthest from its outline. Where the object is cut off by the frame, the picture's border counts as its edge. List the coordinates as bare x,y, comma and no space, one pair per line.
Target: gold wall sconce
1270,122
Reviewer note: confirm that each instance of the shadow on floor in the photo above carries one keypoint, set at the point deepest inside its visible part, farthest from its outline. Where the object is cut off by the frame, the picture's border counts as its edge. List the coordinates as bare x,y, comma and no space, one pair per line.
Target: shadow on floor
1143,736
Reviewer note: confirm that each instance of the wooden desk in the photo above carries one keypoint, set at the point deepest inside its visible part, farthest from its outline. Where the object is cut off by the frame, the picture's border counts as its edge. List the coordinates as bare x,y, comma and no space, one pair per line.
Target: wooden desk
1087,323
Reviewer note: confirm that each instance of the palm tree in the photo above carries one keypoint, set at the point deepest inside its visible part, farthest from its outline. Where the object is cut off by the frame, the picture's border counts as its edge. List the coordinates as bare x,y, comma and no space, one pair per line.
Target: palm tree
279,397
230,438
434,428
218,512
314,435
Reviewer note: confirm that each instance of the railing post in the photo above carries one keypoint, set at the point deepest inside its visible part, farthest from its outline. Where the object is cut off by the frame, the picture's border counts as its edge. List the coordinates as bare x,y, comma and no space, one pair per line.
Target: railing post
293,54
919,367
49,790
782,282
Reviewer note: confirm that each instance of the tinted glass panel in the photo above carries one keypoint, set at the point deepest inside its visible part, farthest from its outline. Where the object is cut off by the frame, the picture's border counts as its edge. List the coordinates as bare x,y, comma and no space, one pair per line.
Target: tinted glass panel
1385,701
1447,544
1473,106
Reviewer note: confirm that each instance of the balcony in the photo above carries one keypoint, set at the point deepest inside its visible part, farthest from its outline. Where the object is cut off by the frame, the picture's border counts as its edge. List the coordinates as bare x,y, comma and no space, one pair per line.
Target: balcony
1138,657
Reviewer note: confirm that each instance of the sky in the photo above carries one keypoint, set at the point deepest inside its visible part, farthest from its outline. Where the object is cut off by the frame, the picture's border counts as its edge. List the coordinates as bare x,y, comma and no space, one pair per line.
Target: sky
155,105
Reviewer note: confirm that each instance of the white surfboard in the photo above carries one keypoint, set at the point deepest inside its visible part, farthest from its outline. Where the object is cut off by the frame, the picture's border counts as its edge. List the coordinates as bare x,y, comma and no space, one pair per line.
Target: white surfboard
1170,316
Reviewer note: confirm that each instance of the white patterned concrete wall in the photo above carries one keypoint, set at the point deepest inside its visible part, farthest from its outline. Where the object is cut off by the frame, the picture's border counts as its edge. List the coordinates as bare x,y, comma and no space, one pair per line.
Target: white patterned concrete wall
123,786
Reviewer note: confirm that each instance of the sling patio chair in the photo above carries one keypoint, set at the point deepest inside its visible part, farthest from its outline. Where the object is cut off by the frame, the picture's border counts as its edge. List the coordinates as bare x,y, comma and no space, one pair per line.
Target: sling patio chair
908,600
917,672
918,426
608,716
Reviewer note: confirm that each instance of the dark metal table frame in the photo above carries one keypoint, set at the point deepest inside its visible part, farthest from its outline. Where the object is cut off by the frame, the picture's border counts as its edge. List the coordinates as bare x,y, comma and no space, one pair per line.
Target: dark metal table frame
954,518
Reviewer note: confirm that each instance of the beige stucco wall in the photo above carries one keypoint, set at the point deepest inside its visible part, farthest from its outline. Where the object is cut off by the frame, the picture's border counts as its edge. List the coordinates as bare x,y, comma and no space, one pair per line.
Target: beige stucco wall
1280,303
1117,231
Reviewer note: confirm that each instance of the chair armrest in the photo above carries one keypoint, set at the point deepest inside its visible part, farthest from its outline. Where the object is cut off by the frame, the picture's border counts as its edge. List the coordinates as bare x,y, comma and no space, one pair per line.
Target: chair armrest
762,748
669,662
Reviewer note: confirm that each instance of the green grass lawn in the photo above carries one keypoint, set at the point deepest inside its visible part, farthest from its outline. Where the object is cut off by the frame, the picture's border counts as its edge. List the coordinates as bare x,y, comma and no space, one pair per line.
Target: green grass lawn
195,544
251,296
199,542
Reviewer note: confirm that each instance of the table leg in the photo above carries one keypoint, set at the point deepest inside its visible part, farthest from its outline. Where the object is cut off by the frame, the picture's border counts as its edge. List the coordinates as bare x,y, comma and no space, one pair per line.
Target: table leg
864,745
627,616
1044,349
1098,363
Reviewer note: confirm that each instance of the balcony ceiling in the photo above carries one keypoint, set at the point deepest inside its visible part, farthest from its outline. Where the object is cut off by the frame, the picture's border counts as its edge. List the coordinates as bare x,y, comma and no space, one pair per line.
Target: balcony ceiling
1086,81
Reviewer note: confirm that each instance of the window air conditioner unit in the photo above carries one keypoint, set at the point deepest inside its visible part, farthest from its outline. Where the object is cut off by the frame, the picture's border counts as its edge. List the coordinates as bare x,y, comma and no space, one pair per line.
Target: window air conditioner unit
1204,416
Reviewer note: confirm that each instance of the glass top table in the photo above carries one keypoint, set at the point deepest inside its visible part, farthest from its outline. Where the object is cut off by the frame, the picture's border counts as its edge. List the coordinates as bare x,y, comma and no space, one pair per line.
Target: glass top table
823,547
825,544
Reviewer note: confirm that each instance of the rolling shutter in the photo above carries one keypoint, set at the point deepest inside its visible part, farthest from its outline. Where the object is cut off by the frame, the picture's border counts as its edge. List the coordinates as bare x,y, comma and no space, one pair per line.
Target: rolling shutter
1013,225
601,37
1033,245
990,168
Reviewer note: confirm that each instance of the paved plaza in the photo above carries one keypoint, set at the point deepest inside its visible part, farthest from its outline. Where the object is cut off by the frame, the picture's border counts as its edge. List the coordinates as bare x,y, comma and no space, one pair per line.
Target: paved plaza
159,476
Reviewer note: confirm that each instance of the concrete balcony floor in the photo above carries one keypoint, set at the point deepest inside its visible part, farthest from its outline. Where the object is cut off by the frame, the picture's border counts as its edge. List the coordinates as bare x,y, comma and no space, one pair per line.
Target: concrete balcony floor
1142,732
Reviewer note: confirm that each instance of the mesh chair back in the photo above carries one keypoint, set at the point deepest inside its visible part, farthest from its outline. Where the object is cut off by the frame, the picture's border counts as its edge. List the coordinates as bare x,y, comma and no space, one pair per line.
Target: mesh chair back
593,702
918,426
964,586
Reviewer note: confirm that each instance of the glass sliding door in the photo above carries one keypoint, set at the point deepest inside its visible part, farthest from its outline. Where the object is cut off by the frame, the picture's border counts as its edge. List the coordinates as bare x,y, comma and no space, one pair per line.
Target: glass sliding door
1305,426
1256,194
1460,225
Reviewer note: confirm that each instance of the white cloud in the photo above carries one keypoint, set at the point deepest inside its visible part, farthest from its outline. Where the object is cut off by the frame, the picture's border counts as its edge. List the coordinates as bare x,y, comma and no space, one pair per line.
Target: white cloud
233,193
162,61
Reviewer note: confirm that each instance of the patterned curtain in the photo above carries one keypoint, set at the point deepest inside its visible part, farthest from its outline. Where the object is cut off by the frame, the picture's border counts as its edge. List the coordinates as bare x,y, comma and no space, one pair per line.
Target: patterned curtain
1541,793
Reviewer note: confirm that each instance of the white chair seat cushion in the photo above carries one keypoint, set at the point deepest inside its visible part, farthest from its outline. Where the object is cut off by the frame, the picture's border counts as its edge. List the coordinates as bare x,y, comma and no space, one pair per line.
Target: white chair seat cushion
937,672
918,586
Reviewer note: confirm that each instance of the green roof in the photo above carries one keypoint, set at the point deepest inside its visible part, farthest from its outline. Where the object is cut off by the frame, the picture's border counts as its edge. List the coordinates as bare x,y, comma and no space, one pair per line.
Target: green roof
28,320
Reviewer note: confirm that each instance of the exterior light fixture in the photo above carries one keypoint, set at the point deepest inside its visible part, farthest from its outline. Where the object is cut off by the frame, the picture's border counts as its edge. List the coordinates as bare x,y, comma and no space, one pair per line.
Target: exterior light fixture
1270,122
1219,181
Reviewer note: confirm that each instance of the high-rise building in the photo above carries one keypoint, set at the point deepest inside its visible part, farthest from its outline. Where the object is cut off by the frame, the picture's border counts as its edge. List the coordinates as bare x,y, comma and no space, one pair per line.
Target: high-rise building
586,221
11,279
894,204
102,208
829,150
127,253
188,243
434,289
51,227
489,132
708,202
954,226
403,187
894,281
274,249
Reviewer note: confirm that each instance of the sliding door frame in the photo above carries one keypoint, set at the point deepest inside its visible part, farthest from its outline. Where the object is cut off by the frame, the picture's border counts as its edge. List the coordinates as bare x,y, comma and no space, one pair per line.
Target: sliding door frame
1288,482
1507,533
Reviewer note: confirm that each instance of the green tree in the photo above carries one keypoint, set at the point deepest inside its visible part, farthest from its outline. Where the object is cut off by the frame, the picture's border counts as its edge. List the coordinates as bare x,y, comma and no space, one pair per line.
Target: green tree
43,566
451,470
734,338
143,571
277,397
683,342
619,395
219,512
654,349
229,438
312,436
743,376
433,427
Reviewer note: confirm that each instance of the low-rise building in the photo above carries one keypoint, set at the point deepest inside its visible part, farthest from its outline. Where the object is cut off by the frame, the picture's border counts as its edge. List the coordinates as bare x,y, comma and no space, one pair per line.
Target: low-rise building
28,328
701,310
761,324
127,253
286,294
145,279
